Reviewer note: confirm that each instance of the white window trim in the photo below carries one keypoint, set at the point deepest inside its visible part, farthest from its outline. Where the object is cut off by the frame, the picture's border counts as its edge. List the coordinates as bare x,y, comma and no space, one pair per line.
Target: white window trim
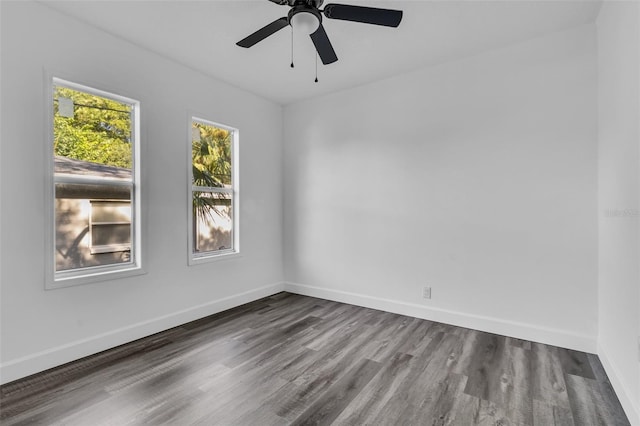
53,279
213,256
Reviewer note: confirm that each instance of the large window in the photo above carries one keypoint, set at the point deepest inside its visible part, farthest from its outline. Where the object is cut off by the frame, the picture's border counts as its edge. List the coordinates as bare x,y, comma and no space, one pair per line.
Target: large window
95,194
213,196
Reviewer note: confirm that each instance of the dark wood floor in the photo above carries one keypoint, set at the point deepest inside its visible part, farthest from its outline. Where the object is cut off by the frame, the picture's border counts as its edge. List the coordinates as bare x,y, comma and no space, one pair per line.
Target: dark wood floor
290,359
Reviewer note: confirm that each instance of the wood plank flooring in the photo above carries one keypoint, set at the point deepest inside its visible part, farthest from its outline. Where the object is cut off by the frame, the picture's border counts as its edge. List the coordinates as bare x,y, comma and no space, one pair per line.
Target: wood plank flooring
295,360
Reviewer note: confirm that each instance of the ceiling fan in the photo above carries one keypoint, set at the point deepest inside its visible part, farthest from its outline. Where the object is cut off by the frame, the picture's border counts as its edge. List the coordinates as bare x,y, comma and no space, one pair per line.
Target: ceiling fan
307,14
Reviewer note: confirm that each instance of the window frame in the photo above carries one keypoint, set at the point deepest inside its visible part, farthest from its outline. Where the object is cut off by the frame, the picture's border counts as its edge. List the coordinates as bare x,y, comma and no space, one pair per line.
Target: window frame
212,256
80,276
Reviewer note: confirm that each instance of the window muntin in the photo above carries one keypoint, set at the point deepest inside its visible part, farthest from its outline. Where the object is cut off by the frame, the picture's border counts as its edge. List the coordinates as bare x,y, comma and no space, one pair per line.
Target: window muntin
213,191
95,146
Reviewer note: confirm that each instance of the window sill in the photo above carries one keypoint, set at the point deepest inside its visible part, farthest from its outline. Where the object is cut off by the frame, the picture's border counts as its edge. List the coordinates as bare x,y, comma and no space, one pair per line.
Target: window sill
93,277
198,260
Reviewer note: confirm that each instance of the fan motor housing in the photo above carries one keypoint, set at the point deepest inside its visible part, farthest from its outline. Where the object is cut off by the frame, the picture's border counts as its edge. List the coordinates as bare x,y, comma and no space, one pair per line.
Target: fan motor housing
312,3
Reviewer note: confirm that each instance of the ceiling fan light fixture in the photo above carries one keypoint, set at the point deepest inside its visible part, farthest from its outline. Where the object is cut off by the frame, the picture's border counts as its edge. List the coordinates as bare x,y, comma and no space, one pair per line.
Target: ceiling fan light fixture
305,22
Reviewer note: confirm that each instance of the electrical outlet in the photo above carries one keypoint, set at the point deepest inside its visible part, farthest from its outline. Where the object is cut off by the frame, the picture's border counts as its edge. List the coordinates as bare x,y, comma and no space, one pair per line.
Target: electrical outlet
426,292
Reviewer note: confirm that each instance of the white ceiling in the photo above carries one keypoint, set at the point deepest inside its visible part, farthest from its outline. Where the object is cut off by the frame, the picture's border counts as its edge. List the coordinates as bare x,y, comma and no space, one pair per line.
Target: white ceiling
202,35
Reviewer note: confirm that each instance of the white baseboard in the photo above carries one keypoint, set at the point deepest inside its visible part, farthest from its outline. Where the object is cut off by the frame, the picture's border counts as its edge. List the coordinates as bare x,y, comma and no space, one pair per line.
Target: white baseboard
35,363
550,336
631,408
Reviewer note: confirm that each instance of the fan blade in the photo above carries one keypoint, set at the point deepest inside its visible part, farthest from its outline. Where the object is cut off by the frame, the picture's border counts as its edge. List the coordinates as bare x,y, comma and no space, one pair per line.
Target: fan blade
264,32
323,46
367,15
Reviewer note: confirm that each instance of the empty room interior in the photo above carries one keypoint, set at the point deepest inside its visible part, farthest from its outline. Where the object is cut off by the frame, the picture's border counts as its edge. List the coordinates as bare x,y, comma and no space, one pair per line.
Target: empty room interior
279,212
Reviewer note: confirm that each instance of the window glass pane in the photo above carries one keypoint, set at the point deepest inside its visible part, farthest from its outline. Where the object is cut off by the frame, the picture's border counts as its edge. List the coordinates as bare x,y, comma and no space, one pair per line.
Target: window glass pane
212,189
93,156
212,222
211,154
92,134
76,232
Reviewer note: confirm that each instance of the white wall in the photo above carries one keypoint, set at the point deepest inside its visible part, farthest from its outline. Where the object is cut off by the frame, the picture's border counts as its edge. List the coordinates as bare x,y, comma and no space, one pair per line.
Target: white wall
45,328
619,198
476,177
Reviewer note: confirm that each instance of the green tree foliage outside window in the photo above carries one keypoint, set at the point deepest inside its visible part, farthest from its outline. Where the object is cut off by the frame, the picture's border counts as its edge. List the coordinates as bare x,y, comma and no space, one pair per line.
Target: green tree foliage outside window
98,132
211,165
211,156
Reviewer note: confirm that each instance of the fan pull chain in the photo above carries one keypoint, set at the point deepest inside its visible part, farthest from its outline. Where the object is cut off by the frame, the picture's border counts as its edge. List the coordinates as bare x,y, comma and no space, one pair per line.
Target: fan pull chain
316,67
291,45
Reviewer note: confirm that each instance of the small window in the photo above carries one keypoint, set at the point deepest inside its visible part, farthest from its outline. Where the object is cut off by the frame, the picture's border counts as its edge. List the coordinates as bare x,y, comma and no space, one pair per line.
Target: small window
95,200
213,200
110,226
